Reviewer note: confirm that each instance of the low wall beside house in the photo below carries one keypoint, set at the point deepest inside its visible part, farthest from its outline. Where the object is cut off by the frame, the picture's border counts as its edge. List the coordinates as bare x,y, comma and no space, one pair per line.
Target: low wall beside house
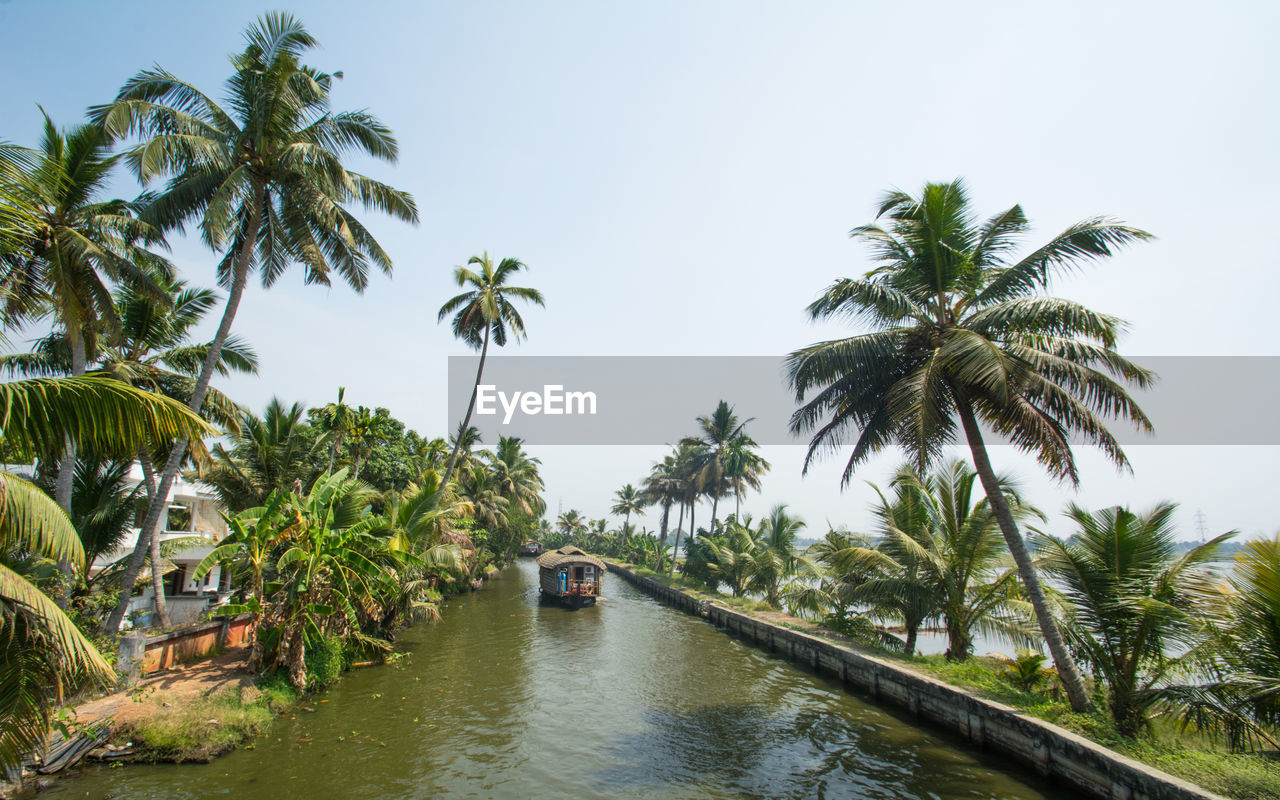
1056,753
164,650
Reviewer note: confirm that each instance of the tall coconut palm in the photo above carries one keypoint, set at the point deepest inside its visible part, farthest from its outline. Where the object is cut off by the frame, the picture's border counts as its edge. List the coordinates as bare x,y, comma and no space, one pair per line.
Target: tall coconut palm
153,351
42,649
715,433
627,501
686,476
743,468
81,244
484,314
662,487
961,332
264,178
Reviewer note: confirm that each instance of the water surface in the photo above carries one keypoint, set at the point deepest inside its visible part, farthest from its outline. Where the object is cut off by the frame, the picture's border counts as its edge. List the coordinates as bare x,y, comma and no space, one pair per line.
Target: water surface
510,698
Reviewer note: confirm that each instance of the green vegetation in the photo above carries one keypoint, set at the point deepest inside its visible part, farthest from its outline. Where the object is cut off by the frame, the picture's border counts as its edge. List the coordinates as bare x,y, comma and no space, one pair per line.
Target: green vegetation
342,527
345,526
960,337
484,314
204,728
961,332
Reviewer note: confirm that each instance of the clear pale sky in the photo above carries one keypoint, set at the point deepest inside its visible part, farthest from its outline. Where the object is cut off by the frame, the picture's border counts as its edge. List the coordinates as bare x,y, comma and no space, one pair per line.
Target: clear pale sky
681,178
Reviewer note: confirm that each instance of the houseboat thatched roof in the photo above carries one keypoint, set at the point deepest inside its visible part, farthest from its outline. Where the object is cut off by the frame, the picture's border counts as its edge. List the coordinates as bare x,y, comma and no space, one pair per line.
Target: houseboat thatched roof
568,555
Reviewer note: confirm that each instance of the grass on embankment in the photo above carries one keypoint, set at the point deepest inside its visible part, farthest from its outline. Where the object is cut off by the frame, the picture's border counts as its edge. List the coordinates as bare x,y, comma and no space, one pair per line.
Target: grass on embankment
200,730
1187,755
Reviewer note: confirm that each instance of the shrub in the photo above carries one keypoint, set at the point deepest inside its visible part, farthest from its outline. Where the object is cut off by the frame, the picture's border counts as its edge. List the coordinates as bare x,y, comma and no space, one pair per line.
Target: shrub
324,662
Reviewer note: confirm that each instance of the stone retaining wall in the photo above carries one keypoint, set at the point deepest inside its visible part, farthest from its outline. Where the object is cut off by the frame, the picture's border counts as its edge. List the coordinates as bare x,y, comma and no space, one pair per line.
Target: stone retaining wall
1053,752
141,654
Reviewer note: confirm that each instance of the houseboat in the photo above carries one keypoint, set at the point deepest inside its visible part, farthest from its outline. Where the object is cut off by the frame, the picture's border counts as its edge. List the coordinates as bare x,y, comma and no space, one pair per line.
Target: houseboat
570,576
531,549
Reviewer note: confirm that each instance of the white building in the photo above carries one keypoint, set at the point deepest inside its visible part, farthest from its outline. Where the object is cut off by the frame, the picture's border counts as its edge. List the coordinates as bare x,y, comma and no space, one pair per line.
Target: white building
194,526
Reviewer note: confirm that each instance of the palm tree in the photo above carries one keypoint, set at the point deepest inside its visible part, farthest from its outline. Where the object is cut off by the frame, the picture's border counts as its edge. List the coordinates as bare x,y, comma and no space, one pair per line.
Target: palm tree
367,429
19,217
43,649
732,558
484,313
662,487
265,179
627,501
685,475
961,332
153,351
420,519
717,431
267,454
331,570
489,508
778,560
1134,602
80,242
743,468
900,586
1246,657
571,524
336,420
953,550
516,475
101,507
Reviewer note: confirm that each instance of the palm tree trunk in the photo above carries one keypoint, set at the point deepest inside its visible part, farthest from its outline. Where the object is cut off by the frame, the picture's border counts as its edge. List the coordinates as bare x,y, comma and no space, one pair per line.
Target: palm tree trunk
333,450
67,464
913,631
675,552
662,542
149,485
151,523
157,575
453,459
715,501
1067,670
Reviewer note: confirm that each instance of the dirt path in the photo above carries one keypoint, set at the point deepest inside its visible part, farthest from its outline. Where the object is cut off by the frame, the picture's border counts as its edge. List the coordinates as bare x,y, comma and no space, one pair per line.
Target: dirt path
174,685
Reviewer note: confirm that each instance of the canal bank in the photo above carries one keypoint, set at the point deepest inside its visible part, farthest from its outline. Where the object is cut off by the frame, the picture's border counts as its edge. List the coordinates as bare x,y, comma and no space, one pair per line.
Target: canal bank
513,698
1052,752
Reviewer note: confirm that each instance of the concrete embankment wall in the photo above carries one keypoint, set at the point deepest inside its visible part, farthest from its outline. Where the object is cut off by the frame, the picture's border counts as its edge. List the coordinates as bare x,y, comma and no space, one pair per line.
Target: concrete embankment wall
141,654
1053,752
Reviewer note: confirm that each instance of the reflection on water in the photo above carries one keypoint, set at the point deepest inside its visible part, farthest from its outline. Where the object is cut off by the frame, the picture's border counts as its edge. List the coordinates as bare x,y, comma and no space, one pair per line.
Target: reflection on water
512,698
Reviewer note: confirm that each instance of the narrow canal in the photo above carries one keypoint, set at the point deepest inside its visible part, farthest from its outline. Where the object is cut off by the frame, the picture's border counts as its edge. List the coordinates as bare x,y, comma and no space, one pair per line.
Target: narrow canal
508,698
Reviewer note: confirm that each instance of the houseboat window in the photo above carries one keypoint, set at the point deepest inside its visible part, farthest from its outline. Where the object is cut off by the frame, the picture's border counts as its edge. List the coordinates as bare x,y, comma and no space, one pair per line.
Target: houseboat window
577,573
